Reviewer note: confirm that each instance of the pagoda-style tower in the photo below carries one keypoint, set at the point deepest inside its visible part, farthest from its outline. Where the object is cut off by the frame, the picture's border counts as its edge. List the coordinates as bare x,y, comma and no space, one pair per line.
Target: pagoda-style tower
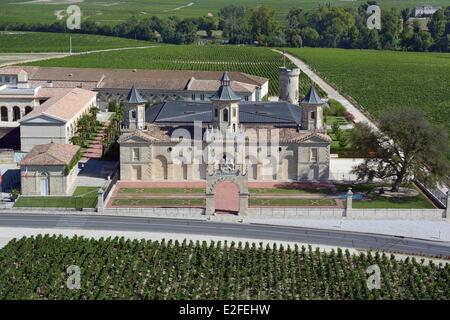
134,111
312,111
225,106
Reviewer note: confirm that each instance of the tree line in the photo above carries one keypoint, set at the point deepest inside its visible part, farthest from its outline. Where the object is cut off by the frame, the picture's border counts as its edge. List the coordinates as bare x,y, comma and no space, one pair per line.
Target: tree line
326,26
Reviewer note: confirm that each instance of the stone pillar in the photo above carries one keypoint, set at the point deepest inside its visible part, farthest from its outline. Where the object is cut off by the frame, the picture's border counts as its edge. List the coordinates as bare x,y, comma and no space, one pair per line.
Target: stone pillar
210,205
10,114
447,210
349,203
243,204
100,203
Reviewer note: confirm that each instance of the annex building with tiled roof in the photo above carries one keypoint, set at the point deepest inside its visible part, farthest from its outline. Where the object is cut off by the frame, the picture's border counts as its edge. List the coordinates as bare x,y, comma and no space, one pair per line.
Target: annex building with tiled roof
56,119
196,140
46,169
154,85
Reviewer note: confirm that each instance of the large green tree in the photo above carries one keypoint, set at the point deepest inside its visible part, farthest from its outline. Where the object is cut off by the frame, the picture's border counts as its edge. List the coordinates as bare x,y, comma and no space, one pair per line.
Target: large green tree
234,23
406,147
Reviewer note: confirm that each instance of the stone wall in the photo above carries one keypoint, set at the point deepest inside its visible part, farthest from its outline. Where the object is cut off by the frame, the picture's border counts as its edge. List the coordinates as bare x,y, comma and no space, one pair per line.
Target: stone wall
7,156
157,212
353,214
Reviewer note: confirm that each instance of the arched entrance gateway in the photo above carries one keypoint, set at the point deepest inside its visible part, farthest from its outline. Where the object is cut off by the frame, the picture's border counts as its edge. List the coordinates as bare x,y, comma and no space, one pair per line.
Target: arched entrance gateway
226,197
227,192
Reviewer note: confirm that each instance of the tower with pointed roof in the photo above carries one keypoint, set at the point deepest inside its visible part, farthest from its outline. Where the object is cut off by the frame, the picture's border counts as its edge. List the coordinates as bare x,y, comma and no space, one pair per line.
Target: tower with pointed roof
312,111
225,105
134,111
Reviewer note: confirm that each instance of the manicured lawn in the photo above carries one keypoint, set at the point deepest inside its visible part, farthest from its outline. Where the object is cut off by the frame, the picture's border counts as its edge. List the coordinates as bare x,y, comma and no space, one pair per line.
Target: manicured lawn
374,201
291,202
276,190
377,202
160,202
161,190
83,197
85,192
25,42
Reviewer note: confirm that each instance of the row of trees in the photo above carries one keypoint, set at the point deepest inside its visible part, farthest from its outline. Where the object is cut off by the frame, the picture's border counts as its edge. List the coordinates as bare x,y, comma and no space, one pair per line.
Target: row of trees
325,26
329,26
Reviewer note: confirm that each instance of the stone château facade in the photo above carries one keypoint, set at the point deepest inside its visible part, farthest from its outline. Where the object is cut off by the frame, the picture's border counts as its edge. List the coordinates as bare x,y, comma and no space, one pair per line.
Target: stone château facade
260,141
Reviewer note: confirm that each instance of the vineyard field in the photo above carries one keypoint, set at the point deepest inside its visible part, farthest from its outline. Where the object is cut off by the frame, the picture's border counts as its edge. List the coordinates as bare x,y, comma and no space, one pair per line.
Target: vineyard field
252,60
383,80
26,42
36,268
112,12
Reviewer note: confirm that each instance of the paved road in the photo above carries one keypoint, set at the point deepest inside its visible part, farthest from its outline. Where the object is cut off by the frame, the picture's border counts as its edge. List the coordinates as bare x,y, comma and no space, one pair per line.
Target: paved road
248,231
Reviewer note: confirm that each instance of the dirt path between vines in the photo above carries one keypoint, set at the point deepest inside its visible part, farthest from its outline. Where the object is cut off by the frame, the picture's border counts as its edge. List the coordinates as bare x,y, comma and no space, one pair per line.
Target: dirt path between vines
329,90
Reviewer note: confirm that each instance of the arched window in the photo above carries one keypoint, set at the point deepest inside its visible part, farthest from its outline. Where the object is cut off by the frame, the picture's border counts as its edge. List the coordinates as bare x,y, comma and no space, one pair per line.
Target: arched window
4,114
225,115
16,113
28,109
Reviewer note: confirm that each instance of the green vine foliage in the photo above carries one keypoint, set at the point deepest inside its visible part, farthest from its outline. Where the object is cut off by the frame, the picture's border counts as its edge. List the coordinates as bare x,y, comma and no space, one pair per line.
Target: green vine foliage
36,268
68,168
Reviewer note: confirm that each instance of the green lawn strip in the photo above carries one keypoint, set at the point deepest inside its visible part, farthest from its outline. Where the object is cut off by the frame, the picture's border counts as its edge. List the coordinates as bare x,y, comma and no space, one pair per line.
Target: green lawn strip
85,192
82,197
374,201
291,202
161,190
264,191
56,202
160,202
377,202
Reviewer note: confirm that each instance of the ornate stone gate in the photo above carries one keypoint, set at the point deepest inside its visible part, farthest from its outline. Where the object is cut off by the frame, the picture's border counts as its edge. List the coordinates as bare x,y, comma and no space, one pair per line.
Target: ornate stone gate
234,176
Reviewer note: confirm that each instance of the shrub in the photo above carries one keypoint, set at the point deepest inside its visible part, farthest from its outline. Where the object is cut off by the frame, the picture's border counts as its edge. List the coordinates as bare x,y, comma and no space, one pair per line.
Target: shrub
349,117
335,109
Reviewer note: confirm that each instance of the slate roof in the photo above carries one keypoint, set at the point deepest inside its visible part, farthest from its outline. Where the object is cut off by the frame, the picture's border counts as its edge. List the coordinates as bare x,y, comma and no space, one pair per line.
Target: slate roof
50,154
312,97
249,112
134,97
157,134
225,93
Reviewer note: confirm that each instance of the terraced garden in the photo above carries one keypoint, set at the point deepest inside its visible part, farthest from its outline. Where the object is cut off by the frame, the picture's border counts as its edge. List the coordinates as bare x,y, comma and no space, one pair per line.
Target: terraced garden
283,195
26,42
382,80
36,268
261,62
